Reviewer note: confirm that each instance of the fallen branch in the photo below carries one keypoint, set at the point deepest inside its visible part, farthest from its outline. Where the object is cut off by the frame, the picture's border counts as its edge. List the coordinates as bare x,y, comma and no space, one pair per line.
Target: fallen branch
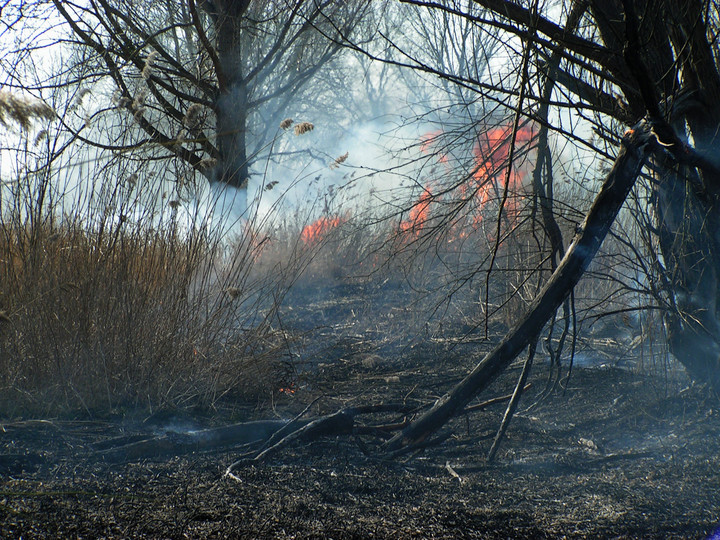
339,423
291,426
636,146
171,444
265,437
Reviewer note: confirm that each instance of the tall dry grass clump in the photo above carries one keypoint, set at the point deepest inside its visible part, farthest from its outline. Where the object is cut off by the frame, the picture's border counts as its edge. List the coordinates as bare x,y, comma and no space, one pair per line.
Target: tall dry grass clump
119,316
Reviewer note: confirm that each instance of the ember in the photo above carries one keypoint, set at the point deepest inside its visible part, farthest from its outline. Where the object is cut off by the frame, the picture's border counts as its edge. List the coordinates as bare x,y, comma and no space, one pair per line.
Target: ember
289,390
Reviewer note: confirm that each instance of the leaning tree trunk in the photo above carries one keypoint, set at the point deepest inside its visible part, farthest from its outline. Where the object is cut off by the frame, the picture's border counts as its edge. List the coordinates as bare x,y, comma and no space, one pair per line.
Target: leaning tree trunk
618,184
687,200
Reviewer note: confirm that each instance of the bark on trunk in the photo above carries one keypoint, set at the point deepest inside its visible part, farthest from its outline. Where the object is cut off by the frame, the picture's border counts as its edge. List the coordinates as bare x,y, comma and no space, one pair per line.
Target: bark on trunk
676,60
231,105
688,232
231,110
628,164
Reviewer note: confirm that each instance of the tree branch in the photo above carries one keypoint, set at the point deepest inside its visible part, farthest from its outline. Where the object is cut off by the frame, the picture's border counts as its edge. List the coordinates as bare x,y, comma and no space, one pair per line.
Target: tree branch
202,36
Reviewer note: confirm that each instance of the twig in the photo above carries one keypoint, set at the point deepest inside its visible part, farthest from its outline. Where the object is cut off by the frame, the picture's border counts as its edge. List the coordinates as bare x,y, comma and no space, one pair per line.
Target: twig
334,424
417,447
493,401
510,411
338,423
453,473
292,425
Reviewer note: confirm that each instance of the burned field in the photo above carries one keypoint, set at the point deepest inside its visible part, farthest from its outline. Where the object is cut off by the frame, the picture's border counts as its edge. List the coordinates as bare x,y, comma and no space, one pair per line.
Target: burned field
626,446
360,269
619,454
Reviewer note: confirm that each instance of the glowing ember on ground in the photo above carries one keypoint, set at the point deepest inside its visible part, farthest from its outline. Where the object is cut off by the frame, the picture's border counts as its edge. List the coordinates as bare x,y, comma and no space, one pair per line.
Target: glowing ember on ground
290,390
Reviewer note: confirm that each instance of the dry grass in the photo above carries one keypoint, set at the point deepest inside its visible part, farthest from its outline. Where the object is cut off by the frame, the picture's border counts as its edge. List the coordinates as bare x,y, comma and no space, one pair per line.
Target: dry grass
22,109
125,316
121,317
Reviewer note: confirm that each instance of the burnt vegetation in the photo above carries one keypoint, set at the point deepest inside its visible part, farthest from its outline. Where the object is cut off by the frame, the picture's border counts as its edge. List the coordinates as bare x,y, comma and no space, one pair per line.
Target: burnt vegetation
359,269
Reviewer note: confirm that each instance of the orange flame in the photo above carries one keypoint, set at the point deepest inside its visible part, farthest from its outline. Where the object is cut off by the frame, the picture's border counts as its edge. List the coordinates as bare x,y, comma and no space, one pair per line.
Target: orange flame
419,214
428,140
316,230
492,152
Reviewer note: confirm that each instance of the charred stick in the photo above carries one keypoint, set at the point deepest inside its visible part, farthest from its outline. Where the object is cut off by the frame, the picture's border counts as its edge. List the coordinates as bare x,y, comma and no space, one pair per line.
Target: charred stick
493,401
291,426
338,423
381,430
422,445
514,400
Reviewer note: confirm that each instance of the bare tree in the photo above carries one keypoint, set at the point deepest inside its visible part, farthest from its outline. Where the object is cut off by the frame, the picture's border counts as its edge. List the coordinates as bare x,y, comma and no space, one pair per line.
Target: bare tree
205,82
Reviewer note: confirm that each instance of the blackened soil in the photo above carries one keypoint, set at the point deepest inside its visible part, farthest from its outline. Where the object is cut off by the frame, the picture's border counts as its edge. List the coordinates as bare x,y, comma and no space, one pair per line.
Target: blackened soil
619,455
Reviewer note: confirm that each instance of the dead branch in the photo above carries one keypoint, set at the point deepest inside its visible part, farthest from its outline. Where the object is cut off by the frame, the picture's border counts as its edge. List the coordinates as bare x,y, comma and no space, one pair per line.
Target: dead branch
184,443
512,406
618,184
339,423
291,426
485,404
266,437
420,446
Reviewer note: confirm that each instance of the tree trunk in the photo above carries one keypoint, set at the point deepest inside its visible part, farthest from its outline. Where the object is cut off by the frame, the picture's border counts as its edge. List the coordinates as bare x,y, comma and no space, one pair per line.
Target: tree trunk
674,47
231,110
688,231
231,105
686,201
585,244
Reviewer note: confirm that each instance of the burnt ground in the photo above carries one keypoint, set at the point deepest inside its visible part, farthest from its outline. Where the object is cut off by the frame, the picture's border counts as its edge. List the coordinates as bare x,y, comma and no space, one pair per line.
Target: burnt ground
621,454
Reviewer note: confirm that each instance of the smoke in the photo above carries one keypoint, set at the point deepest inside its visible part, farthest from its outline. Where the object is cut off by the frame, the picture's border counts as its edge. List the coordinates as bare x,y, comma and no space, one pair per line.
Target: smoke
226,206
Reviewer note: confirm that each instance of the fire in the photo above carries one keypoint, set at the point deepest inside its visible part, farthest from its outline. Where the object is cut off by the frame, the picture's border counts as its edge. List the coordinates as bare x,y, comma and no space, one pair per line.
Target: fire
289,390
419,213
316,230
492,153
